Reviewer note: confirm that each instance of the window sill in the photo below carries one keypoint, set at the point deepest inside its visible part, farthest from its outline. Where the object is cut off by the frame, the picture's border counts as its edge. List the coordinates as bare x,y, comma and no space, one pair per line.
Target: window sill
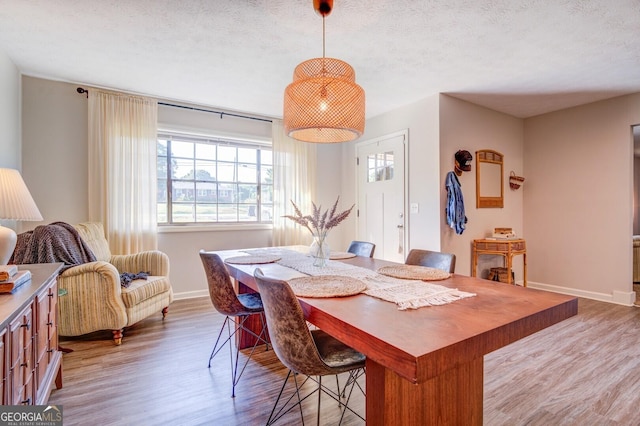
215,227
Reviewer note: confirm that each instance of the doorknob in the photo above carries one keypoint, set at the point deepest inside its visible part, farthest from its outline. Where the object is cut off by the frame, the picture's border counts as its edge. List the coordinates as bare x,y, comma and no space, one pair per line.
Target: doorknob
400,226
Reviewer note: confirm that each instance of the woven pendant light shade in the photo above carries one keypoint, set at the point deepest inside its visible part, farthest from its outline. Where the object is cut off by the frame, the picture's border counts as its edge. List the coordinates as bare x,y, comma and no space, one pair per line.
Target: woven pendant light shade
323,103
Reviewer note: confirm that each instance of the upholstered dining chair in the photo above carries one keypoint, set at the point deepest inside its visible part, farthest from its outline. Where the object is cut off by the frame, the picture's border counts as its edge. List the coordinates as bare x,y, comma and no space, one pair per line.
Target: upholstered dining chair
236,308
433,259
362,248
304,351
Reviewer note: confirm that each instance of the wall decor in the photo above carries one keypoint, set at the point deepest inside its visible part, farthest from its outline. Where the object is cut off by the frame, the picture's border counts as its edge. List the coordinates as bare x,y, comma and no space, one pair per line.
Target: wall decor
456,217
489,178
515,182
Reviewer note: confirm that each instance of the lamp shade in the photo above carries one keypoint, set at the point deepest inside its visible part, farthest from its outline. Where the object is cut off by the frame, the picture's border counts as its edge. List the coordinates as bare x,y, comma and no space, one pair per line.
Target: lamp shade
15,203
323,103
15,200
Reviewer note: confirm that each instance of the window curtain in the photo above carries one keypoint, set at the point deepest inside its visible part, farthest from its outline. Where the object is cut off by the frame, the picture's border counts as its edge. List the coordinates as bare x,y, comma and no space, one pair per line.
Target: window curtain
294,172
122,169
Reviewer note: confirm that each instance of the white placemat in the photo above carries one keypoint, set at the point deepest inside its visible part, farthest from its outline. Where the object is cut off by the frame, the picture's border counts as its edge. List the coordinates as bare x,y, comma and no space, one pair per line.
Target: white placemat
414,272
335,255
326,286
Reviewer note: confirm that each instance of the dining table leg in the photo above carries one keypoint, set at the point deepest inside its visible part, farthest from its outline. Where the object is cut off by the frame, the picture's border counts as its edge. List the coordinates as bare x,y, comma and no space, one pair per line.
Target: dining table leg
451,398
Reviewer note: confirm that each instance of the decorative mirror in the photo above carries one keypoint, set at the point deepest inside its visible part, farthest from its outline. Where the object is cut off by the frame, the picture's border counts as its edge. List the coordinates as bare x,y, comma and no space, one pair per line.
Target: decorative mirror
489,178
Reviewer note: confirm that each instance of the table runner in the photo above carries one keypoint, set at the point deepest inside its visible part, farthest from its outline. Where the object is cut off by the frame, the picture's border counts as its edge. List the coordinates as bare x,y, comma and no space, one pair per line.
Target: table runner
406,294
252,259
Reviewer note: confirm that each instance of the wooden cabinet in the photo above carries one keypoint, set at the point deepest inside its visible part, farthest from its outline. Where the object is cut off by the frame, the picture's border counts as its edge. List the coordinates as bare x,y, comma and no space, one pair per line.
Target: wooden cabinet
47,337
4,371
30,360
21,357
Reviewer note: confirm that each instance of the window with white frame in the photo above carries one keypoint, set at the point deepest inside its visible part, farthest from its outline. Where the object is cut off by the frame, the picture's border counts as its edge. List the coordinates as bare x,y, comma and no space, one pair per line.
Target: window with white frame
213,180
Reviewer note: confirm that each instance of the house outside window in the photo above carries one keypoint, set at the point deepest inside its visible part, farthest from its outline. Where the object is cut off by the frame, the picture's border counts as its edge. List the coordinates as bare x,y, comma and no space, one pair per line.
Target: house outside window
213,180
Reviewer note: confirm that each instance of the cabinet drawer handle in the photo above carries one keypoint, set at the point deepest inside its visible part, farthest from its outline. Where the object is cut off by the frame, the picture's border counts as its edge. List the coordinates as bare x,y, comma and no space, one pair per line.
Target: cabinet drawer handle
27,401
49,324
27,325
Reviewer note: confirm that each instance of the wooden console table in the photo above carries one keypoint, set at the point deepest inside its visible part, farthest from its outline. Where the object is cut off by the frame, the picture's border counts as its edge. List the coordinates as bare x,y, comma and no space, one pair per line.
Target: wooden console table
506,248
30,362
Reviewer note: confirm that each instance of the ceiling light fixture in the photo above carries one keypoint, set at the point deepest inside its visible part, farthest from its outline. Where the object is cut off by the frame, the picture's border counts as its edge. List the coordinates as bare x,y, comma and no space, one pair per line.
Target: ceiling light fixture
323,103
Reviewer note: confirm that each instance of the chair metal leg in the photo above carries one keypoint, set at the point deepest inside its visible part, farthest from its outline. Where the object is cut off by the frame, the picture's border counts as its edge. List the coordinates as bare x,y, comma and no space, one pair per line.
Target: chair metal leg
287,405
275,415
261,338
320,398
353,376
214,352
295,379
273,410
238,325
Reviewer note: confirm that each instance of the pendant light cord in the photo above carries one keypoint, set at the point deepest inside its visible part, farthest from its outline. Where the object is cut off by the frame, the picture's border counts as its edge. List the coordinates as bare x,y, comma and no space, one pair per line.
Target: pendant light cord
323,37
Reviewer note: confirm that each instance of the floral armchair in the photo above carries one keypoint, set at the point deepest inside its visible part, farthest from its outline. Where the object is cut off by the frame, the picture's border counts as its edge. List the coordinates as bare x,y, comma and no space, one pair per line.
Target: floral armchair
92,297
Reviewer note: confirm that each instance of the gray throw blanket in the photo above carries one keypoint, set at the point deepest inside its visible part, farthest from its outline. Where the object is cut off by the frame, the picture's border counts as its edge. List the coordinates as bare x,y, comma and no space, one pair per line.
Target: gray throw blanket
56,242
127,277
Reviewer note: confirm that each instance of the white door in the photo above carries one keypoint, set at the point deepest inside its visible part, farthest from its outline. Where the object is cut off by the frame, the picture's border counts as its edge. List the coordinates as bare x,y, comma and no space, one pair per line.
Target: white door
381,195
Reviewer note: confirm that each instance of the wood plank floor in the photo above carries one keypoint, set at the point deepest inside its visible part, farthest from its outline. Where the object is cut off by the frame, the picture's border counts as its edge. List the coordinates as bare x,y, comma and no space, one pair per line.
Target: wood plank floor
583,371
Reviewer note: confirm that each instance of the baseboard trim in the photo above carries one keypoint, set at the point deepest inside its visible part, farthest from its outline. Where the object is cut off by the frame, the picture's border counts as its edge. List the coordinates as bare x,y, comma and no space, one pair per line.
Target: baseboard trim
626,298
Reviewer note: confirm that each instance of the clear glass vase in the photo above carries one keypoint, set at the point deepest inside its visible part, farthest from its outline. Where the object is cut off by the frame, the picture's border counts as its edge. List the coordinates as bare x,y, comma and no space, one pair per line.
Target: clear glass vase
319,249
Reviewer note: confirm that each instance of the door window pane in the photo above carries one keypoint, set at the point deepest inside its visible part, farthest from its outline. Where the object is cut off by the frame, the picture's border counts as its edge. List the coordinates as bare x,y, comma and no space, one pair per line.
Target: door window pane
380,166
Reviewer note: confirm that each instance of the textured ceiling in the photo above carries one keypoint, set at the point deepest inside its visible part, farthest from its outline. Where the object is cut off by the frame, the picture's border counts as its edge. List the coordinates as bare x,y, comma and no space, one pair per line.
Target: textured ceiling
522,57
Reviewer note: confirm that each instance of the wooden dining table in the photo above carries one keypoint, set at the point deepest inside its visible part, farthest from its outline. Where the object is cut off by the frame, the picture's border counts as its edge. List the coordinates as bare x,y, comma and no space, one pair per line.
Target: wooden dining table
424,366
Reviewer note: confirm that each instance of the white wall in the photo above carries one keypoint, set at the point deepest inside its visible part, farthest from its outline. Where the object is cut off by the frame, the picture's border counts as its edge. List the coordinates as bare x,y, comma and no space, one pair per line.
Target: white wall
636,195
9,113
10,142
182,244
576,201
421,118
54,150
331,183
55,167
578,204
438,127
187,274
471,127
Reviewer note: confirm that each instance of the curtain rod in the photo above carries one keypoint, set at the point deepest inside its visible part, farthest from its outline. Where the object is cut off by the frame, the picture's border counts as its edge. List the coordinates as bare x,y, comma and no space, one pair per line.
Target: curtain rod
221,113
82,90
